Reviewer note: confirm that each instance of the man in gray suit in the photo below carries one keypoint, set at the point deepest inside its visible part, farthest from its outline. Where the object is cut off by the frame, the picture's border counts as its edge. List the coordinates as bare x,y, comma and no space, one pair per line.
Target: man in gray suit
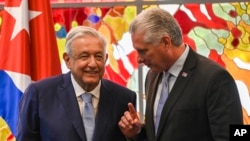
52,109
202,98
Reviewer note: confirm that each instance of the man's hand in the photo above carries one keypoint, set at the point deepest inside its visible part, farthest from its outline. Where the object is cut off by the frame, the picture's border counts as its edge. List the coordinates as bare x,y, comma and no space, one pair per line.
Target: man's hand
130,123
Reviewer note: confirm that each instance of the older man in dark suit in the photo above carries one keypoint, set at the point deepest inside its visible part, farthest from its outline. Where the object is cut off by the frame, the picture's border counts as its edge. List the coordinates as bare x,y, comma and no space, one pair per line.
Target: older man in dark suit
54,109
189,97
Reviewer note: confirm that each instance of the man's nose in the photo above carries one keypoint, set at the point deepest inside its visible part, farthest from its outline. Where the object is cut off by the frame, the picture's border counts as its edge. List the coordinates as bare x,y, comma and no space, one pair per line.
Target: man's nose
140,59
92,61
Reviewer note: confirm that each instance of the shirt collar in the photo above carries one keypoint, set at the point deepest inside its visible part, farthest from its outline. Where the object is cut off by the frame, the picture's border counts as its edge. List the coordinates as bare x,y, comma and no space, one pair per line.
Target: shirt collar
176,68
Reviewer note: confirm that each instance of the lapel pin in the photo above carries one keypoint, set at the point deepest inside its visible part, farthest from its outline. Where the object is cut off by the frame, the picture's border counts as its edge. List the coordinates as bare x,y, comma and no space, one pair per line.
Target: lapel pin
184,74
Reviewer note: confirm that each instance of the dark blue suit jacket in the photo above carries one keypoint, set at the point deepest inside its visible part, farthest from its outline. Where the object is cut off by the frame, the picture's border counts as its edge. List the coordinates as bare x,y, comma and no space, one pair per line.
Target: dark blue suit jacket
49,111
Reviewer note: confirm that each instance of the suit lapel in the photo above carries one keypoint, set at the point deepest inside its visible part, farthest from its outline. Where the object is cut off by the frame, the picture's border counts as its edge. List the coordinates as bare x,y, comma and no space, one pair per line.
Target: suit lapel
68,98
104,112
152,82
179,86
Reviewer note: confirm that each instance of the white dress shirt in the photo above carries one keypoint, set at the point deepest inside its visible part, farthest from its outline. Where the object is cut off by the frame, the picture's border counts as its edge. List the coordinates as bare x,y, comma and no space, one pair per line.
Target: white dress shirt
79,91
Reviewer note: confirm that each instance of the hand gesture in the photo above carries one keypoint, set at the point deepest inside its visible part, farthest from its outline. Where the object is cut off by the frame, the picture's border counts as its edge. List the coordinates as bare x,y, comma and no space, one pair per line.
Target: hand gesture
130,123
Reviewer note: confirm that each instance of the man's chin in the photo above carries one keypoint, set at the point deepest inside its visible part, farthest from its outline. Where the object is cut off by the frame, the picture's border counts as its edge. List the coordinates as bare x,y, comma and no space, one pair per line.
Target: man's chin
92,80
155,70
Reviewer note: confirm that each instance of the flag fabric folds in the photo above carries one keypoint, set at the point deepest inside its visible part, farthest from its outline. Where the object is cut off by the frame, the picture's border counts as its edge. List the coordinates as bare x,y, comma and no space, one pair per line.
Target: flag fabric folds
28,51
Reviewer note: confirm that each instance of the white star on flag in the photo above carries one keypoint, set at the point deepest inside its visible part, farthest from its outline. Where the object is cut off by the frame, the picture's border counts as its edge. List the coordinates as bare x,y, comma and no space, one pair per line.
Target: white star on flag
23,15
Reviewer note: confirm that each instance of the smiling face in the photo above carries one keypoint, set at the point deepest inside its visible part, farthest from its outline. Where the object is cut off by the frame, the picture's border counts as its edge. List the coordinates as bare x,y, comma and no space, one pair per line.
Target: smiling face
87,61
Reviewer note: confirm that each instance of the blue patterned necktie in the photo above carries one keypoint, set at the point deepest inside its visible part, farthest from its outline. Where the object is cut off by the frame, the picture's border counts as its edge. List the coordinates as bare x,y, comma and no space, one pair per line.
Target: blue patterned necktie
88,116
163,98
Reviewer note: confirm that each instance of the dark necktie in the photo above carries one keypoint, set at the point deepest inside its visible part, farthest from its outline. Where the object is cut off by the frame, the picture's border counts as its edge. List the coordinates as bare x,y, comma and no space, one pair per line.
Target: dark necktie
88,116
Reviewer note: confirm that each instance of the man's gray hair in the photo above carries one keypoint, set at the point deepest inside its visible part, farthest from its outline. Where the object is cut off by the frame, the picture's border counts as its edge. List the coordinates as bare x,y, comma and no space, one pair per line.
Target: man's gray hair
156,23
82,31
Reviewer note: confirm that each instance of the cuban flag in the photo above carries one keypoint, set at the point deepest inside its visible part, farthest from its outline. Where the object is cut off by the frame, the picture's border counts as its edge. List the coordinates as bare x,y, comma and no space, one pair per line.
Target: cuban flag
28,51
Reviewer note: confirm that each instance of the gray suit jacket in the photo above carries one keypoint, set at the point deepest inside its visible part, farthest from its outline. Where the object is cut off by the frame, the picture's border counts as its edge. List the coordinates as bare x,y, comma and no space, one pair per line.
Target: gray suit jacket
49,111
200,106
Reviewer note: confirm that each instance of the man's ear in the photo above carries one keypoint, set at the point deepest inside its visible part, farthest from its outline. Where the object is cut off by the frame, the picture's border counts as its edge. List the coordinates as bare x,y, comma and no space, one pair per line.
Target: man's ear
166,40
66,59
106,57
